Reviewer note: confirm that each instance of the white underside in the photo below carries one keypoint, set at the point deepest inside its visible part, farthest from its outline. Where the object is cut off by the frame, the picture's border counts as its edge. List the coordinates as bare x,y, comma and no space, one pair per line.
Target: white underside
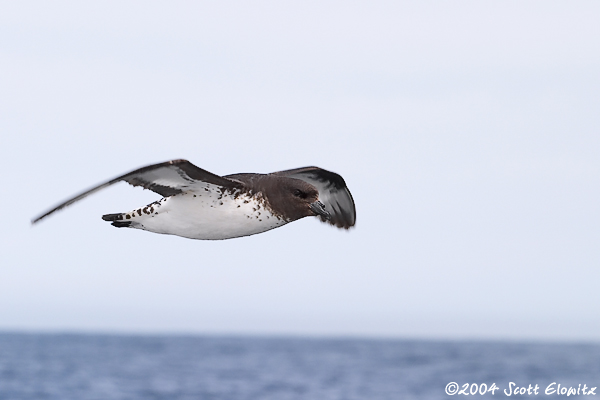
206,214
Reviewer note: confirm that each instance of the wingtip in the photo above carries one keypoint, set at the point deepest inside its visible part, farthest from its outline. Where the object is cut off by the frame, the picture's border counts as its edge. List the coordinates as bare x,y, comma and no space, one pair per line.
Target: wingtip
38,219
339,224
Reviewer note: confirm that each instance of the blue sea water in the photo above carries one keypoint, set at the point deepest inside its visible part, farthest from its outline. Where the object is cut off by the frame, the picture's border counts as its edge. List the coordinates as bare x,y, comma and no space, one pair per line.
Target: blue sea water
101,367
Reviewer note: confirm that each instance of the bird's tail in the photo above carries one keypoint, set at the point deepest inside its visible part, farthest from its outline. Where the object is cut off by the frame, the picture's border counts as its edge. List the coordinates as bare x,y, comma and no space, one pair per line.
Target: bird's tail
117,220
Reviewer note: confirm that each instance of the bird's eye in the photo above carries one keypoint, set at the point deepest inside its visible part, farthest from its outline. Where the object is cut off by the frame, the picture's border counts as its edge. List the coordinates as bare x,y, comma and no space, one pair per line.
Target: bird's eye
299,193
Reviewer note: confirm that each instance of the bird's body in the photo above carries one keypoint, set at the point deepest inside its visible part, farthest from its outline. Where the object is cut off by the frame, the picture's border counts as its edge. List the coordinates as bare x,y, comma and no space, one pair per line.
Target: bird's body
200,205
209,215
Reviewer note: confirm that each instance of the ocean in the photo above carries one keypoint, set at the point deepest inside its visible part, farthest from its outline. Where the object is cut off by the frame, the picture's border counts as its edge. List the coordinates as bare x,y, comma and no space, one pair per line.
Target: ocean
129,367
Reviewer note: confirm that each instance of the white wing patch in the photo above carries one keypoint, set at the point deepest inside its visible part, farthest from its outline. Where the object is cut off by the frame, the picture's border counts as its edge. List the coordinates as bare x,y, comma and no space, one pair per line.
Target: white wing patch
168,176
167,179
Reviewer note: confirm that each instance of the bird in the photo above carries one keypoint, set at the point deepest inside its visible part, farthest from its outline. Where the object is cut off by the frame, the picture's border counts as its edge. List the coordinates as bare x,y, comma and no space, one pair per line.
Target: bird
198,204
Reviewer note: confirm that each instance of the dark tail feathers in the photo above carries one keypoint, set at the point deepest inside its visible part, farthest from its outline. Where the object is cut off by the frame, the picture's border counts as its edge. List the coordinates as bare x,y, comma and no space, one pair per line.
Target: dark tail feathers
117,220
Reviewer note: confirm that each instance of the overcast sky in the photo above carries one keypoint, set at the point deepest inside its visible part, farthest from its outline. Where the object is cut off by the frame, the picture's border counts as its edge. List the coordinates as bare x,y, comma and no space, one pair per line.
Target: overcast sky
467,132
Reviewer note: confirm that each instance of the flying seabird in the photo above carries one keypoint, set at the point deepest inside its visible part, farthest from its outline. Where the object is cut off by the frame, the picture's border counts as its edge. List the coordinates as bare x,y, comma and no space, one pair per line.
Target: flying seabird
197,204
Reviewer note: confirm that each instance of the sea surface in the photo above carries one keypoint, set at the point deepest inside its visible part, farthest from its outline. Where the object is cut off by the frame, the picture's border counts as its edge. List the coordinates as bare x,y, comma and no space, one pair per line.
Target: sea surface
102,367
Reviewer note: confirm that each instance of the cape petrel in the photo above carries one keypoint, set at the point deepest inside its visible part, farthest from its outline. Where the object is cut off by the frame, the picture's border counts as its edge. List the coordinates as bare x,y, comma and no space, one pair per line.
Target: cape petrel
197,204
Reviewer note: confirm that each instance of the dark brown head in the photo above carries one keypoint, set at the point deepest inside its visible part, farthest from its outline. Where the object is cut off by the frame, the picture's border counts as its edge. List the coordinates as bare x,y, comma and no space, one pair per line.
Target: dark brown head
293,198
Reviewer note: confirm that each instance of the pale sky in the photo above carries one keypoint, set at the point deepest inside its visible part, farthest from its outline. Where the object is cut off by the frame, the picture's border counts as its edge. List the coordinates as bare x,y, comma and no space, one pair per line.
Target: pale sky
467,132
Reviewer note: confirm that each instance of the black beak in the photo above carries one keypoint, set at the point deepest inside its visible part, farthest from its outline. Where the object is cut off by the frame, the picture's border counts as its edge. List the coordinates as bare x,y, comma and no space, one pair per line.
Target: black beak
319,208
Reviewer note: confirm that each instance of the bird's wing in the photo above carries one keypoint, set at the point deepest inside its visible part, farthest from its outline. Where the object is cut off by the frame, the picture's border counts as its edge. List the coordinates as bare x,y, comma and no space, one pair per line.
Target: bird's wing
167,179
333,192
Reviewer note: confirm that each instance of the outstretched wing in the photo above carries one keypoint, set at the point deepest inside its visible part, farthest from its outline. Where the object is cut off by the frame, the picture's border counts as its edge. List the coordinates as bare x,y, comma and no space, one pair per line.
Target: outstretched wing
333,192
167,179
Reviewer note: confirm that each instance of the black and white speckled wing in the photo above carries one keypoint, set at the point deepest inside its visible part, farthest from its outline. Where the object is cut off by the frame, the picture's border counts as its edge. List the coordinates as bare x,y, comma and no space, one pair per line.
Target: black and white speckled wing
333,192
167,179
